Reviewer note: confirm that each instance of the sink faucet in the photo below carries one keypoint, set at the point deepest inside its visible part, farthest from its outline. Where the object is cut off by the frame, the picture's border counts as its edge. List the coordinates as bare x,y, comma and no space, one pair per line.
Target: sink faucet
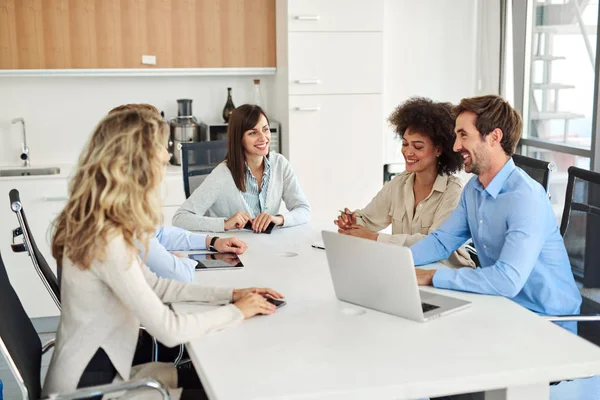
24,148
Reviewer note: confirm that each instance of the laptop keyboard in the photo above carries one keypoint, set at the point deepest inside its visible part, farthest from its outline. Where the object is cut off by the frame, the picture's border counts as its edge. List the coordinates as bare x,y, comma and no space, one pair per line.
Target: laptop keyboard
428,307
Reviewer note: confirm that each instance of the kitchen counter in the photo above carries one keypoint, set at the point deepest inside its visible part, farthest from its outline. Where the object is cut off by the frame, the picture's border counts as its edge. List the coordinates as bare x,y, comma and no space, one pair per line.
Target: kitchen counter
65,172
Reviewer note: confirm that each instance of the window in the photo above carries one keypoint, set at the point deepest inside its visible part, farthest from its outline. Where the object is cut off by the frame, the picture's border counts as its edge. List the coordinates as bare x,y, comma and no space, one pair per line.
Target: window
555,82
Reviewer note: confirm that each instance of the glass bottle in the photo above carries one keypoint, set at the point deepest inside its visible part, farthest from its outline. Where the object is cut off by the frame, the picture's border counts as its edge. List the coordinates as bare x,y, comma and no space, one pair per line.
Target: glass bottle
258,99
229,107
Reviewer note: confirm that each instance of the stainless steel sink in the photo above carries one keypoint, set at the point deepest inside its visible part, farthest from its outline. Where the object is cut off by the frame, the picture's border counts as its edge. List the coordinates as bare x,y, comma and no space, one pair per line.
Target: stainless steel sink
28,171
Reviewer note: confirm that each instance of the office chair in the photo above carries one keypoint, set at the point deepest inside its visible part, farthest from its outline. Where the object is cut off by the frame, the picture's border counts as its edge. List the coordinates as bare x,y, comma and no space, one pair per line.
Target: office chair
50,281
21,347
580,225
538,170
198,159
39,262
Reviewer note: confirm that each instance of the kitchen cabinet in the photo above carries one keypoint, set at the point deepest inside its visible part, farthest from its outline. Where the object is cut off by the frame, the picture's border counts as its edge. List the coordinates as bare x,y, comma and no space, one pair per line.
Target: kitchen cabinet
115,34
329,94
335,148
335,16
43,199
340,62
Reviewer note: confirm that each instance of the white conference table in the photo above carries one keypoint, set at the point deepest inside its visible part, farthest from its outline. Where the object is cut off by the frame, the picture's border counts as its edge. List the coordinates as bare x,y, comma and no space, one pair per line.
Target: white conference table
317,347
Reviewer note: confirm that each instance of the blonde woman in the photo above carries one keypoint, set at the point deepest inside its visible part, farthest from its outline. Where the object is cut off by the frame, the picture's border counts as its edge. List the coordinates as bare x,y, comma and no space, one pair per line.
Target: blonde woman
107,290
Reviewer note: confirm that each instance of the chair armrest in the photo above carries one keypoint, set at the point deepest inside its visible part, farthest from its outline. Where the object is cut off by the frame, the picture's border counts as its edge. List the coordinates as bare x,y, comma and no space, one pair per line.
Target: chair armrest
111,388
580,317
472,253
180,355
48,345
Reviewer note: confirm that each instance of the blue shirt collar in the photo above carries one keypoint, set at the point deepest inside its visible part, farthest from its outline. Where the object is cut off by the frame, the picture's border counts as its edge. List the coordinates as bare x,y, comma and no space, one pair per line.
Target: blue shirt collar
497,183
267,163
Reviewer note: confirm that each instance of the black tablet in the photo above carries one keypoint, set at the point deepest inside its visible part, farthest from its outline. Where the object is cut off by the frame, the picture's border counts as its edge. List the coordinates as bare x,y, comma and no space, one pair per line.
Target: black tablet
216,261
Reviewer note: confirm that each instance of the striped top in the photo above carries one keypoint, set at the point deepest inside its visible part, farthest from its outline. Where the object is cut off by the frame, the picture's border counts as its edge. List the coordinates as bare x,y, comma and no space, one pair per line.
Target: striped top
256,198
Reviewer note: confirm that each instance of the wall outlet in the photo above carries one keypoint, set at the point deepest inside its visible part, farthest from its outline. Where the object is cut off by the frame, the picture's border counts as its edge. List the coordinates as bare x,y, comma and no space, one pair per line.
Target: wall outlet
148,60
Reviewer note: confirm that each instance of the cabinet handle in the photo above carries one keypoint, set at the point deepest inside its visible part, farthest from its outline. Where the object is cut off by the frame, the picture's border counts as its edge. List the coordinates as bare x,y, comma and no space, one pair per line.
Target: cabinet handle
308,81
55,198
307,17
313,108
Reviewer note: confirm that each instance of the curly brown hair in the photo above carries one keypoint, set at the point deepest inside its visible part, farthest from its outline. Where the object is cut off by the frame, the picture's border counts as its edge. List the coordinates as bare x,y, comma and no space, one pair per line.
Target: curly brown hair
434,120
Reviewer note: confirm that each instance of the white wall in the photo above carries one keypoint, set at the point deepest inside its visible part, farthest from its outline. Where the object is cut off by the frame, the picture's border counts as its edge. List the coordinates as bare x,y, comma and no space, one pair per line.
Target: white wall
60,113
430,51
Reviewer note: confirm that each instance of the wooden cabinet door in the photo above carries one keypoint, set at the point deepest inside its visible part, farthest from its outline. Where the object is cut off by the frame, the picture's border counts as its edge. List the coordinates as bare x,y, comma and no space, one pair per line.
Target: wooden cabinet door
72,34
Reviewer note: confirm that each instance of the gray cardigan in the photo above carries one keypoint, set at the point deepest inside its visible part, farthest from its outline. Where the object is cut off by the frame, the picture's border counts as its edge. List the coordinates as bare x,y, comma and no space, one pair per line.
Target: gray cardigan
218,198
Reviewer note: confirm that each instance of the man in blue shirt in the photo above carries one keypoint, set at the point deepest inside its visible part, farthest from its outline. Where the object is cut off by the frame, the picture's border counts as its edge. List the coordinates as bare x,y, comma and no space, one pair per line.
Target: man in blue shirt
168,265
508,216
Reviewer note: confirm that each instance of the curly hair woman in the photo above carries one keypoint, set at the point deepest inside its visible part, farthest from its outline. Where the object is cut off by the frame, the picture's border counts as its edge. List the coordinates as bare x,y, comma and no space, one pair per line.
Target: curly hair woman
420,199
107,290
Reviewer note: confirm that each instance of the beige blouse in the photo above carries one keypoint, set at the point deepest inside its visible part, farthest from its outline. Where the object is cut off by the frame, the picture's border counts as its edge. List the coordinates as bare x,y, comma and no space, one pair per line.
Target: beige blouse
395,205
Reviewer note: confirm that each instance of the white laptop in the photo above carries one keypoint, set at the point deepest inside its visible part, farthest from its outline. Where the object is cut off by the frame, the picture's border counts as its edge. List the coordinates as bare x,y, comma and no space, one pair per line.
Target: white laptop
382,277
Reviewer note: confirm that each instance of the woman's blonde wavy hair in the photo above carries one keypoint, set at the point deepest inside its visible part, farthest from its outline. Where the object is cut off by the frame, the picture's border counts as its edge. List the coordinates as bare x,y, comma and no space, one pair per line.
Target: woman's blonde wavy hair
115,189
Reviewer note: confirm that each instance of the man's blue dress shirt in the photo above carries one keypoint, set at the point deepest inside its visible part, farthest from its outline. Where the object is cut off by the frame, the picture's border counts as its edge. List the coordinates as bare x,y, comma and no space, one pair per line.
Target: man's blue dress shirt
166,265
518,243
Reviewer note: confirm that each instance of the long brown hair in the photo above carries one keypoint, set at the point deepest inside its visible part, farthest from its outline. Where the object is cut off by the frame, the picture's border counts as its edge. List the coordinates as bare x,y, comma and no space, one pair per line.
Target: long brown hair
115,189
243,118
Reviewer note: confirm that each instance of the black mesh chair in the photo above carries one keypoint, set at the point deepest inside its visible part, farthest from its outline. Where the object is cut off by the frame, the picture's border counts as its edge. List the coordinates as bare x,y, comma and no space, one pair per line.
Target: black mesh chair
37,258
537,169
580,225
21,347
198,159
580,228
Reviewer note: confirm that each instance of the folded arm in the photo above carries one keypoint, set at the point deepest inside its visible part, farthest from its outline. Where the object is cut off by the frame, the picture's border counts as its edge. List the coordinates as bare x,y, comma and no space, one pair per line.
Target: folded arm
191,214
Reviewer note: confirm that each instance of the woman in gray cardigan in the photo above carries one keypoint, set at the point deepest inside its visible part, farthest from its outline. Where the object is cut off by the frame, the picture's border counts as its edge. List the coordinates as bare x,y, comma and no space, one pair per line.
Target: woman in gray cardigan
107,290
248,186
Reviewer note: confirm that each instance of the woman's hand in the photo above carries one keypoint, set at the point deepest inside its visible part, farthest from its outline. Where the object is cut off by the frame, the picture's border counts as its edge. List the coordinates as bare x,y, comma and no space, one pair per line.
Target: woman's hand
239,293
253,304
237,221
262,221
346,220
359,231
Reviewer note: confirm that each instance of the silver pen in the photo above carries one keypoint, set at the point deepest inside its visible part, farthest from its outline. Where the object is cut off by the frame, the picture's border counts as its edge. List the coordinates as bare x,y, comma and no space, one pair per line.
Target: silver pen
345,213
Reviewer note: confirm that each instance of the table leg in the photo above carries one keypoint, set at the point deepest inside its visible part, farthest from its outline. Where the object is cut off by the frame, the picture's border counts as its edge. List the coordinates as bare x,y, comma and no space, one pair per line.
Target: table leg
538,391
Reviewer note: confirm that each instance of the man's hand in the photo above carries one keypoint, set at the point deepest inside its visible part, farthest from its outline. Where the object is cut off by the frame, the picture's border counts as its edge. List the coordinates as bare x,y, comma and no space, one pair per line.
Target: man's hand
425,276
230,245
359,231
237,221
262,221
264,292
